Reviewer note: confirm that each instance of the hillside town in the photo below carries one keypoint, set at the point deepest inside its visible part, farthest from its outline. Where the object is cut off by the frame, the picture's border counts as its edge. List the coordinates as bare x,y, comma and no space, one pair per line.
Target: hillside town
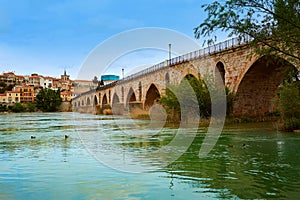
24,88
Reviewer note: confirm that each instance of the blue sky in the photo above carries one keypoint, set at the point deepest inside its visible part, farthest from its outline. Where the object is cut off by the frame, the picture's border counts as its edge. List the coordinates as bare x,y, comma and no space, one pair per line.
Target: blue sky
49,36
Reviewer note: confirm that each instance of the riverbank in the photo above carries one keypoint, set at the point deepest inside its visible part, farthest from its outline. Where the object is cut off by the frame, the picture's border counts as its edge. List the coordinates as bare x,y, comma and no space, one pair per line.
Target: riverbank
30,107
273,118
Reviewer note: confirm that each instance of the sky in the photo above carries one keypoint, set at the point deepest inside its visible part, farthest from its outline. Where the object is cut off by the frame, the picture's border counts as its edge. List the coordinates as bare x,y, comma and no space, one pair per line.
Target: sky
50,36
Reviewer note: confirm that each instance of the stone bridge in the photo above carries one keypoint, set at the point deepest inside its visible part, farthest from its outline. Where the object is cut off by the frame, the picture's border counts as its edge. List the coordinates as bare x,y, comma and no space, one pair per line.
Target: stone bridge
254,80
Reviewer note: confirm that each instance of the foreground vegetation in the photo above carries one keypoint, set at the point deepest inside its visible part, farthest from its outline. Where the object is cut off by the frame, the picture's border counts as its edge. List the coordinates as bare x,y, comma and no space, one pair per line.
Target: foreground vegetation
19,107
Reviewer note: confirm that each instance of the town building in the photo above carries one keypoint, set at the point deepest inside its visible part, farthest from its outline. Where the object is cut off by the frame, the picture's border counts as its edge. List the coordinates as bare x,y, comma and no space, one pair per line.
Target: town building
67,96
10,97
2,99
27,93
47,82
9,78
34,80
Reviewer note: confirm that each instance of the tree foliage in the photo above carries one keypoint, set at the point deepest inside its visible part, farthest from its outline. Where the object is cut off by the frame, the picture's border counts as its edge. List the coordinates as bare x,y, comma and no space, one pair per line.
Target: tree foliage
289,101
176,93
18,107
4,87
273,23
48,100
30,107
180,93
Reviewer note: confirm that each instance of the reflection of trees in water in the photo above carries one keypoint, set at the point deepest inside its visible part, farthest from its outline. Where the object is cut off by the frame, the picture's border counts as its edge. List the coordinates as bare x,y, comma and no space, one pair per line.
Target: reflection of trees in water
145,141
256,169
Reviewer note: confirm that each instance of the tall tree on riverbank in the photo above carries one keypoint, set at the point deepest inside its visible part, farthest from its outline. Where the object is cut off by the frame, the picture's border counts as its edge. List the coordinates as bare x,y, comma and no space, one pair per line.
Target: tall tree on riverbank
48,100
273,23
289,101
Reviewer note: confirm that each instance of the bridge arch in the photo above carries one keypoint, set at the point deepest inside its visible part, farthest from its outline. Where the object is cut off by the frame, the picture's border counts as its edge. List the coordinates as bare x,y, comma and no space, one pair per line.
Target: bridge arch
109,96
189,70
95,100
259,85
140,91
88,101
117,107
220,73
151,95
104,100
188,77
115,99
131,96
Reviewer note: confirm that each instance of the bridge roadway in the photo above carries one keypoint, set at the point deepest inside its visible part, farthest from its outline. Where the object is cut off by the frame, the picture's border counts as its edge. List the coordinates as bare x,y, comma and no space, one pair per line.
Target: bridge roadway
253,79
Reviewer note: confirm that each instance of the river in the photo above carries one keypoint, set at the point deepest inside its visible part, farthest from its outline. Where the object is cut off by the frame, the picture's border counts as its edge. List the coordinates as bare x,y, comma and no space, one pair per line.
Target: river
249,161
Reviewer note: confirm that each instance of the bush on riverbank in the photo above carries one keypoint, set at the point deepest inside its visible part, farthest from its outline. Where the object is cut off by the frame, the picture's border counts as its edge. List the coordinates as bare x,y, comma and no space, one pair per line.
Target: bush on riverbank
3,108
19,107
289,102
171,101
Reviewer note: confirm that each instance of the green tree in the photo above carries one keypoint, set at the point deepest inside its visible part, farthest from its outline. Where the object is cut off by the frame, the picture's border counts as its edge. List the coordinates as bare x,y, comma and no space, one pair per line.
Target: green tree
30,107
289,101
48,100
3,108
273,23
200,86
18,107
4,87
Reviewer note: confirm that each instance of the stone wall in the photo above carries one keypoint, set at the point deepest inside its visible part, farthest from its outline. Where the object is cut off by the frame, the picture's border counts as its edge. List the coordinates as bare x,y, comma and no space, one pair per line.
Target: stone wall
65,107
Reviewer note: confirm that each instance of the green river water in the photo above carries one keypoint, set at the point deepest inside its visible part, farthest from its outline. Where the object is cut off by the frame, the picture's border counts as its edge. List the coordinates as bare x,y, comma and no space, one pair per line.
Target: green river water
249,161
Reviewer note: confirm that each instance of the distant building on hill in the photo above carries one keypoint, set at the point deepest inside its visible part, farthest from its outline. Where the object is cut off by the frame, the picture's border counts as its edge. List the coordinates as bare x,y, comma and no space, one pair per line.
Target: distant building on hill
47,82
10,78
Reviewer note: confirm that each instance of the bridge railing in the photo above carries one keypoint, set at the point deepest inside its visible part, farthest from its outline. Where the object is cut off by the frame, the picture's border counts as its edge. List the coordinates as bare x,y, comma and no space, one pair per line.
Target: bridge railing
234,42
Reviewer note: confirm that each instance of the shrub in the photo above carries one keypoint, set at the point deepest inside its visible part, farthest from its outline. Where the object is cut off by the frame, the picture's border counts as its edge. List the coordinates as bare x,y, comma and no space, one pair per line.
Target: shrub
18,107
30,107
291,124
289,103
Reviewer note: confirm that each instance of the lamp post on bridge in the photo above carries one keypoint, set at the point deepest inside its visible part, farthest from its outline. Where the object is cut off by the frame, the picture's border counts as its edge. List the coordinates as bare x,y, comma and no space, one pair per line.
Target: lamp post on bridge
170,52
123,73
